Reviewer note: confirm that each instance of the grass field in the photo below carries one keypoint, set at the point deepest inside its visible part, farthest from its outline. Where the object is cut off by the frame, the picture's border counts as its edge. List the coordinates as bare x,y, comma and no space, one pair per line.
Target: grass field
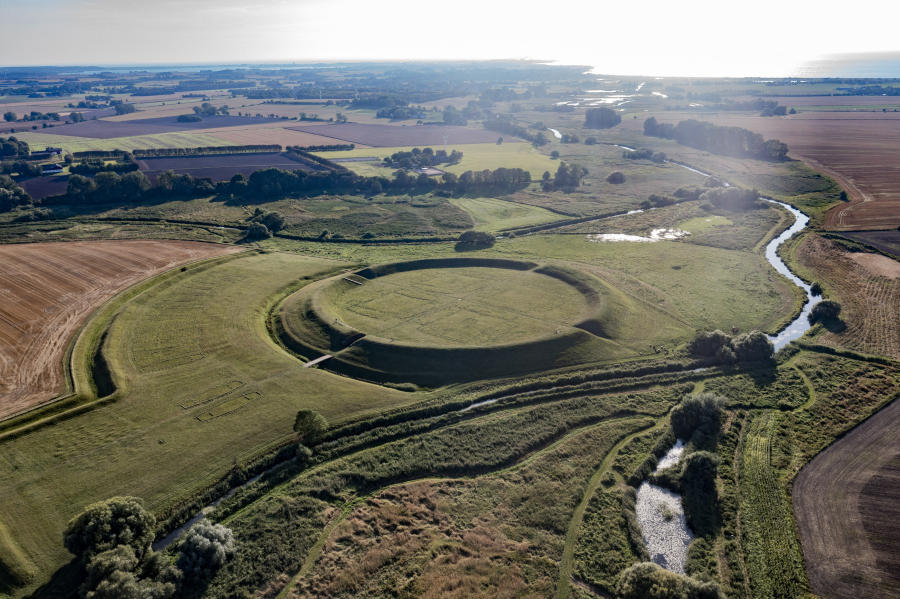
491,214
180,139
476,157
461,306
699,286
201,387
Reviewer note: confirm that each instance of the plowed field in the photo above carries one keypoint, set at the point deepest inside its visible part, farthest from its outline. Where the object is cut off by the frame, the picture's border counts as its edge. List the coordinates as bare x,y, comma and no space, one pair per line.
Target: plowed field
847,512
868,288
48,289
861,151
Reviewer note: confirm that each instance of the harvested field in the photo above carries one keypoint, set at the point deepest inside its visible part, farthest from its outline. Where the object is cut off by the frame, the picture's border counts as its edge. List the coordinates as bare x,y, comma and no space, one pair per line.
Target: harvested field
274,133
845,503
221,168
48,289
860,151
108,129
868,288
403,135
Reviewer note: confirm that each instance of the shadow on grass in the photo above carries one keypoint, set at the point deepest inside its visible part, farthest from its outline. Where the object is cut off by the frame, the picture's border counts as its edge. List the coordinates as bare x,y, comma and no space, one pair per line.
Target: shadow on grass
64,583
834,325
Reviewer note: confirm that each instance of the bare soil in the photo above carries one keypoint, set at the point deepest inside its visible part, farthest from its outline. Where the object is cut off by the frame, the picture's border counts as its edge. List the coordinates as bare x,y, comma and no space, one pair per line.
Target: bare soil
47,290
848,515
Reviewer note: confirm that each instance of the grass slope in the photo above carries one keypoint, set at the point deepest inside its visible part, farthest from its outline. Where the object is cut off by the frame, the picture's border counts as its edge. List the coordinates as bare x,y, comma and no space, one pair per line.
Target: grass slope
202,386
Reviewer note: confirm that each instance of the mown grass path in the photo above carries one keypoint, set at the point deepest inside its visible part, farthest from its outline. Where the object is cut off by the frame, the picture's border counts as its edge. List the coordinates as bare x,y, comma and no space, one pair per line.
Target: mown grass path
567,562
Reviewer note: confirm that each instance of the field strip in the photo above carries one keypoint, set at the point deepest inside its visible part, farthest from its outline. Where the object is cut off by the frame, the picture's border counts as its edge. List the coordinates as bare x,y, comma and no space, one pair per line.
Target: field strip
567,562
525,460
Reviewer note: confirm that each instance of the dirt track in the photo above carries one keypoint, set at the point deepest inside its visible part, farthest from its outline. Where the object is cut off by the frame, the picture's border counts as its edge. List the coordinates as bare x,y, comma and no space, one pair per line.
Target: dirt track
847,506
48,289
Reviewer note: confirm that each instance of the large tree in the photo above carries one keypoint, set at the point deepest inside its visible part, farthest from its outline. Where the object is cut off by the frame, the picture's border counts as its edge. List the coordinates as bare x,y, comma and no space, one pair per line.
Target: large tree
107,524
601,118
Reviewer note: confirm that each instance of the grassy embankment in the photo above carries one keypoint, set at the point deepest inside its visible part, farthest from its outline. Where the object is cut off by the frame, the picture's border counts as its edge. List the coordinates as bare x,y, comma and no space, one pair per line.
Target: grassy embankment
201,387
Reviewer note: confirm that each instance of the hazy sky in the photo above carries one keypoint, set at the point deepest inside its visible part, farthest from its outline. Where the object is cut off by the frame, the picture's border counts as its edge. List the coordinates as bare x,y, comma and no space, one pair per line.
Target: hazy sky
691,37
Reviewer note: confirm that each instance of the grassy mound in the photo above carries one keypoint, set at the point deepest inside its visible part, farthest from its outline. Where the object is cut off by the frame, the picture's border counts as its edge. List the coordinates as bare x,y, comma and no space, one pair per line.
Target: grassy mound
436,322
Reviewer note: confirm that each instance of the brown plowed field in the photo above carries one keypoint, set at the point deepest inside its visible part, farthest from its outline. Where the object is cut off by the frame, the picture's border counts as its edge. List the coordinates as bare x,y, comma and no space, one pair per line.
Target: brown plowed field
868,288
860,151
48,289
847,506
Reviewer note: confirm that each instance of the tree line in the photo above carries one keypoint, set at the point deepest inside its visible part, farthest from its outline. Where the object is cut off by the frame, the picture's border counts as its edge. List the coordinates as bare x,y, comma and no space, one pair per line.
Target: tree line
264,185
418,158
728,141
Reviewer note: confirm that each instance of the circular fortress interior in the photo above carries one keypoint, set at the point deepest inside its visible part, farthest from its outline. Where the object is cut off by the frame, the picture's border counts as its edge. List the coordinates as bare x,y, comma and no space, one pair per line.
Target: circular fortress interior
434,322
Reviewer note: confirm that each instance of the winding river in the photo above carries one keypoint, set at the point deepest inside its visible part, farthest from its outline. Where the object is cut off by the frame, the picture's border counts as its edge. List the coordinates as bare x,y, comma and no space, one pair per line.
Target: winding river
659,511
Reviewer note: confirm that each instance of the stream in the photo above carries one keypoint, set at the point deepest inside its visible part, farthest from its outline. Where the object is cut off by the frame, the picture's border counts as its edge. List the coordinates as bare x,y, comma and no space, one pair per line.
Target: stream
669,534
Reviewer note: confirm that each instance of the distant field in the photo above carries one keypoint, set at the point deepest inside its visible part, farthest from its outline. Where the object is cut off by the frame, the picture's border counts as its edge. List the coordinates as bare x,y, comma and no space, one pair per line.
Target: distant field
101,129
274,133
478,156
861,151
403,135
179,139
460,306
201,386
48,291
220,168
491,214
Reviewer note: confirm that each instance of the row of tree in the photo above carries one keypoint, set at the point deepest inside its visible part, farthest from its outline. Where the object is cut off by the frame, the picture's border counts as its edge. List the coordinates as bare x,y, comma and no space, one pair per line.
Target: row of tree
503,124
728,141
263,185
422,157
13,148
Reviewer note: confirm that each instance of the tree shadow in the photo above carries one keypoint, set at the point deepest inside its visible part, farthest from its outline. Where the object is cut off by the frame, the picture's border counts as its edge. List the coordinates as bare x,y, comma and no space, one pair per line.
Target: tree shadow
64,583
834,325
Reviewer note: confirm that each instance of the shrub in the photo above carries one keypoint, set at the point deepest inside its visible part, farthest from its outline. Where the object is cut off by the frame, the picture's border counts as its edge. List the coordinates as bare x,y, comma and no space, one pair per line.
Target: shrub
118,573
708,343
731,198
697,417
698,487
107,524
257,231
616,178
753,347
601,118
647,580
815,289
824,311
310,426
205,549
474,240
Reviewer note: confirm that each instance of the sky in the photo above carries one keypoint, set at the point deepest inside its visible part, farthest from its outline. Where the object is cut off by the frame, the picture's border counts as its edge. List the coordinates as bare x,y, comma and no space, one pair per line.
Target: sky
650,37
